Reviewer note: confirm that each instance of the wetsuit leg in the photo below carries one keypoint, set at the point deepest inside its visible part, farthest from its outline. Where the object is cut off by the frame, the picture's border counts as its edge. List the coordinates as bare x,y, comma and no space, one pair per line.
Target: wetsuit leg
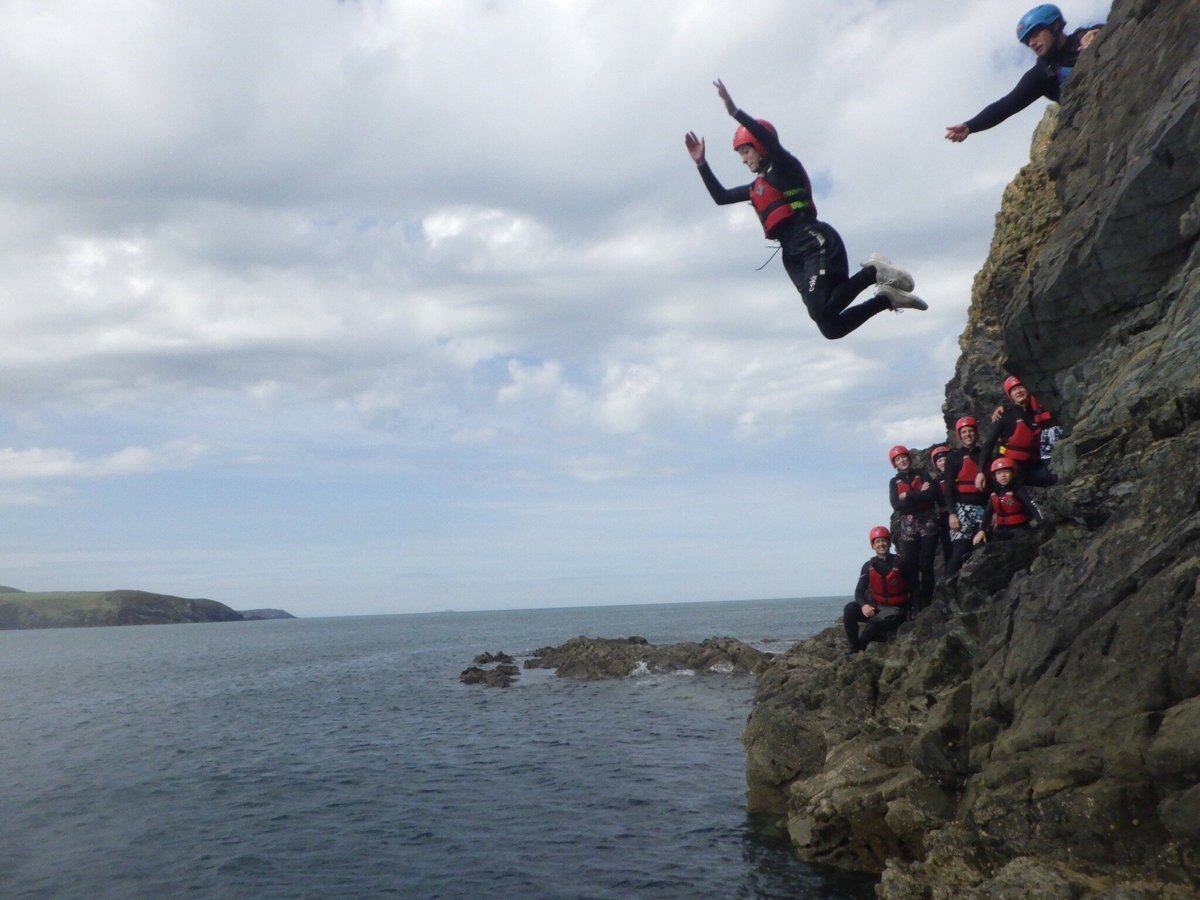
927,551
815,259
959,551
851,617
1038,474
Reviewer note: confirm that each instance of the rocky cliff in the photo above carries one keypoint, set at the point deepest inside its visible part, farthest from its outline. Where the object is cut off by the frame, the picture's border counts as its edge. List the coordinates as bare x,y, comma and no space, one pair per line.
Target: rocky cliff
1036,733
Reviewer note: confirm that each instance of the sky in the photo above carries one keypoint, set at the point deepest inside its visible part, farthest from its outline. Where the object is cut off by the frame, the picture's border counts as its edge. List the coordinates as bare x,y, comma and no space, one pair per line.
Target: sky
381,307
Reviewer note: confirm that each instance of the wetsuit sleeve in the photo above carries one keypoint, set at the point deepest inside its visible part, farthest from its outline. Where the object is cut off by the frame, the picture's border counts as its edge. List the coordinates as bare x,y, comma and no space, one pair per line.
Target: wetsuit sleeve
986,525
1003,428
953,464
1027,501
721,194
1032,85
860,589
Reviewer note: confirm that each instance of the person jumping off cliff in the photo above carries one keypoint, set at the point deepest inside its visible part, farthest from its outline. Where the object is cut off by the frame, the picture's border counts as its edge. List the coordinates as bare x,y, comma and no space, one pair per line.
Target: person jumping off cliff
1042,30
813,253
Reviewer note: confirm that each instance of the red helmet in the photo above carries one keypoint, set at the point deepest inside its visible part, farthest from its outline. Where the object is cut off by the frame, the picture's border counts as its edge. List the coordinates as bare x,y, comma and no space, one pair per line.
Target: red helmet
965,422
936,452
898,450
1011,382
1002,462
880,531
743,136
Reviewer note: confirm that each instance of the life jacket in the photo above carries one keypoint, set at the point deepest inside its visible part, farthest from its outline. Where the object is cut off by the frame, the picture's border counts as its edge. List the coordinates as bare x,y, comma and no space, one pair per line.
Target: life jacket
1008,511
914,487
775,206
1041,415
890,589
964,481
1025,443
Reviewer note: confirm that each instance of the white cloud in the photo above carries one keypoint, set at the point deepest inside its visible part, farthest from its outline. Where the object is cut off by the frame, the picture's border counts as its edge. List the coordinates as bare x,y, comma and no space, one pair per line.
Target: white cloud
354,242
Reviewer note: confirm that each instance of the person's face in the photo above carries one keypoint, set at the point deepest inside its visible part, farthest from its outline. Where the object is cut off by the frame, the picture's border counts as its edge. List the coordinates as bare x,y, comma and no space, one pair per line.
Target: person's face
752,158
1019,395
940,463
1042,41
880,545
902,462
1003,477
966,436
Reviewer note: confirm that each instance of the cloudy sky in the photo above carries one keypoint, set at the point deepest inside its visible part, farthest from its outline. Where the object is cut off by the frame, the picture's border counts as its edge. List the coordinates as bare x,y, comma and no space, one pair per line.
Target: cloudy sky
373,307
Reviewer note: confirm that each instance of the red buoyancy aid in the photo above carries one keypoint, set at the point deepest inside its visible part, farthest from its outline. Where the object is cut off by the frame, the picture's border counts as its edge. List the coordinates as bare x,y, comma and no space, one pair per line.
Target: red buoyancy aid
890,589
1041,415
914,487
964,481
1007,510
1025,442
774,206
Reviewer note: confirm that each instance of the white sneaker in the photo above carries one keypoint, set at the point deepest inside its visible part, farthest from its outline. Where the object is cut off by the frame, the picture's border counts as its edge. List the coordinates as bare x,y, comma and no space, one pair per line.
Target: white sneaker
900,299
887,272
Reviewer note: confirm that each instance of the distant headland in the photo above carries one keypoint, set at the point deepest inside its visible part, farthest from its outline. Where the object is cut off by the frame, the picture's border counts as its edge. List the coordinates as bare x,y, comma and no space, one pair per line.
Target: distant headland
85,609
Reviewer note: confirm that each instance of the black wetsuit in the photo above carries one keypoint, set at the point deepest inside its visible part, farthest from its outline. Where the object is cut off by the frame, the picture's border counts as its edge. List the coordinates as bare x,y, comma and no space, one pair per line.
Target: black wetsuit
1045,79
967,507
917,540
1035,472
886,618
813,253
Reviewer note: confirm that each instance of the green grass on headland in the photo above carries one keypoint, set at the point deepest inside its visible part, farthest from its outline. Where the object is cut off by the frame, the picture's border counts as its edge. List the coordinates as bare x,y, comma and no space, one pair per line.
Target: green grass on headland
81,609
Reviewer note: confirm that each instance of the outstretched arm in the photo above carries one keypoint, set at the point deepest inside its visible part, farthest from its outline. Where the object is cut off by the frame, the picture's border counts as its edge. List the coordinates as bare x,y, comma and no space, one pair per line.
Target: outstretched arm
723,93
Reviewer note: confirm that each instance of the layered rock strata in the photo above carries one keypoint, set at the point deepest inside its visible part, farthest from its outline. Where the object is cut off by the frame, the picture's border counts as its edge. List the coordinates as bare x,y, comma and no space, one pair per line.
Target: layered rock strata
1036,733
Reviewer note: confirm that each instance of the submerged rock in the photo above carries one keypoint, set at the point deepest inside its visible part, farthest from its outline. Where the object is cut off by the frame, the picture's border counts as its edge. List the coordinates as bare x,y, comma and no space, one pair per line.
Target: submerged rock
596,658
1035,732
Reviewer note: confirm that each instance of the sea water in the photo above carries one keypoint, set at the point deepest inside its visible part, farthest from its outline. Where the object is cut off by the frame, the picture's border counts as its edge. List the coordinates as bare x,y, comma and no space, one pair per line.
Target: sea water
341,757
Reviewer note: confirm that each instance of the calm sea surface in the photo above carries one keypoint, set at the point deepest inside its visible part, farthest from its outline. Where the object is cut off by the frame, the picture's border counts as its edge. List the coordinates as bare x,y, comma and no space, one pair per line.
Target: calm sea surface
342,758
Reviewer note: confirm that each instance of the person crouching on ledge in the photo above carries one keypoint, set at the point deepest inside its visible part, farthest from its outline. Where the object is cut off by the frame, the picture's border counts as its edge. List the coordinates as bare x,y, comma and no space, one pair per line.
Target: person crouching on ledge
1010,509
881,596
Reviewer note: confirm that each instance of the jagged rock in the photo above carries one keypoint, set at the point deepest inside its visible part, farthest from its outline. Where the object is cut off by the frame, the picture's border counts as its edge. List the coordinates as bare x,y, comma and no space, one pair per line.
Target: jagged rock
1034,733
501,676
595,658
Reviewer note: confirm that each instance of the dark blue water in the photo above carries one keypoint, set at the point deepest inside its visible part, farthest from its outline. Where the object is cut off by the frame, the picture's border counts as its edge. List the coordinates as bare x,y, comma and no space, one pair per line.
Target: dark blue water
342,758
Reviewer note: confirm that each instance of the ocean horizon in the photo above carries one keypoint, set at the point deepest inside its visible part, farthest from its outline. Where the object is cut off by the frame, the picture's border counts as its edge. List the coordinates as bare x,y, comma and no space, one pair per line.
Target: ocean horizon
340,756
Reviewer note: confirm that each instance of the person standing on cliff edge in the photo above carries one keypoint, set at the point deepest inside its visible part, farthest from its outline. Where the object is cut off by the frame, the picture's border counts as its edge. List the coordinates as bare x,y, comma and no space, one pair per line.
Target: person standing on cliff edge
1042,30
813,253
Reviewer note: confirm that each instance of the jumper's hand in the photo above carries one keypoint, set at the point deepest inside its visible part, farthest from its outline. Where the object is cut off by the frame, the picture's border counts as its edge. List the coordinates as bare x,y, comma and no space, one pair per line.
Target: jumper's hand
1088,37
695,147
957,133
723,93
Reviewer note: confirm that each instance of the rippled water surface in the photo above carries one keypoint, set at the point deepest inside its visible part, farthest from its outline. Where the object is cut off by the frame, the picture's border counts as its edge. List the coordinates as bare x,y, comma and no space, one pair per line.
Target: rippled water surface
342,758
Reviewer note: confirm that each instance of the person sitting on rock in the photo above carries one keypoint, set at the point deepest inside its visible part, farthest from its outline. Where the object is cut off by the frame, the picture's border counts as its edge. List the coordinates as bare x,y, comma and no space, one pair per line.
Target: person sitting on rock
813,253
881,597
937,459
912,496
1010,509
966,491
1042,30
1018,434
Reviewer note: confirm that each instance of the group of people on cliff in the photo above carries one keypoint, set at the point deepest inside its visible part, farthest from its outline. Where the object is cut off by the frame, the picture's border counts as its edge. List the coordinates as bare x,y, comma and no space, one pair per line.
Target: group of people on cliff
977,491
813,253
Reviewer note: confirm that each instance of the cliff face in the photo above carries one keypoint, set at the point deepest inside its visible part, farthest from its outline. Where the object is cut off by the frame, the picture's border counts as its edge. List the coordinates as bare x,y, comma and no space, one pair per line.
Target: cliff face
1037,731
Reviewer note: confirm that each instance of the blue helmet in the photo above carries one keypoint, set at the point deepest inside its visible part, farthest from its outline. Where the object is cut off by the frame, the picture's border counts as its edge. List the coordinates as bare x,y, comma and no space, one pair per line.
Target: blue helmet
1043,16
